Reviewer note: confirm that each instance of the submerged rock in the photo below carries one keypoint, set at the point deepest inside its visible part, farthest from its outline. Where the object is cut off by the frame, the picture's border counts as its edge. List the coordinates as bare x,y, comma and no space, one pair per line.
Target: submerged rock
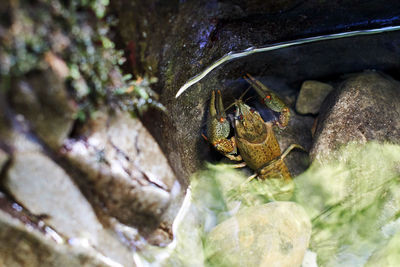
273,234
311,96
364,108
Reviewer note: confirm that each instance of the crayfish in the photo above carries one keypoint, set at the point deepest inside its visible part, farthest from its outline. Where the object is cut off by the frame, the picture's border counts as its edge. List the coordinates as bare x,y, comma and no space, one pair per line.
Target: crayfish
254,142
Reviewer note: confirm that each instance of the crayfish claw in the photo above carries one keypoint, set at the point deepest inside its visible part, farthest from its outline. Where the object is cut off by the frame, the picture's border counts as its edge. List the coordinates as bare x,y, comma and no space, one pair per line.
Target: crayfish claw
271,100
218,127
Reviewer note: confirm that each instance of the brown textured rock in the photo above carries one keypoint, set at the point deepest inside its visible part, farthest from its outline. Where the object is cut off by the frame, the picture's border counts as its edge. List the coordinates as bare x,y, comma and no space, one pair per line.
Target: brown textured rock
364,108
125,167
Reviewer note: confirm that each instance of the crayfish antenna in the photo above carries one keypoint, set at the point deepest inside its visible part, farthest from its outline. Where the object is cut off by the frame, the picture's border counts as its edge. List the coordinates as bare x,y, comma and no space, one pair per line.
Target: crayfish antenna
244,93
250,97
254,82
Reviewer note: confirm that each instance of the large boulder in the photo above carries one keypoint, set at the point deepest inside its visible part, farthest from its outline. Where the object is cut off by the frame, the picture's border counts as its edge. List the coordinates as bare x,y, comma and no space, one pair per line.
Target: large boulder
273,234
364,108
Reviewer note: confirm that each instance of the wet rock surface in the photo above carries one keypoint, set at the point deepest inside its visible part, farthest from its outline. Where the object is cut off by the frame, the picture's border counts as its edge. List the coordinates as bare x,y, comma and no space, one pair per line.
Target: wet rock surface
364,108
274,234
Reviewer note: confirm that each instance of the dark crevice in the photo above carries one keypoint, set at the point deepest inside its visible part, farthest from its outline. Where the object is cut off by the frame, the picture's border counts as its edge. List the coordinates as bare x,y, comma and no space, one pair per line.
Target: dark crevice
3,173
144,175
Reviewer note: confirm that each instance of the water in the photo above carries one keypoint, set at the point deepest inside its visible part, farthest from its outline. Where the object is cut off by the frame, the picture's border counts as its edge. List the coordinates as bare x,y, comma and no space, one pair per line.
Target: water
253,50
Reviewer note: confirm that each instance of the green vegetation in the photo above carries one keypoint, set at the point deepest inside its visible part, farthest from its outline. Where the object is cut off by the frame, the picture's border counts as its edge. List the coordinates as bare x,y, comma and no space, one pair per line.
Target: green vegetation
352,198
76,34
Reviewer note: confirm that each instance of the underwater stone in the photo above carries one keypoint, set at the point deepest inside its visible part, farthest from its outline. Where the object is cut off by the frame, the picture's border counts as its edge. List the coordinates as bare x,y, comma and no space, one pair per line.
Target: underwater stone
311,96
273,234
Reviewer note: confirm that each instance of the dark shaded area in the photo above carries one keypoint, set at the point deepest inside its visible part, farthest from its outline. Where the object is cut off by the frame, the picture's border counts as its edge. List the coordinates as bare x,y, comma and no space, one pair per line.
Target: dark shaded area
179,40
16,211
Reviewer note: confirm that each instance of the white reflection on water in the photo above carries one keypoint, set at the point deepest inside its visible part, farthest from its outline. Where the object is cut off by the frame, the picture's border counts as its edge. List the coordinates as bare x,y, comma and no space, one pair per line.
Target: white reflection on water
252,50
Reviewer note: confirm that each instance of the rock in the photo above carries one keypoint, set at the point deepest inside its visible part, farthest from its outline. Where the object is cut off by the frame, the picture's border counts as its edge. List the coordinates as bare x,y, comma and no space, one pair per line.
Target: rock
21,245
311,96
129,135
43,101
364,108
125,168
44,188
274,234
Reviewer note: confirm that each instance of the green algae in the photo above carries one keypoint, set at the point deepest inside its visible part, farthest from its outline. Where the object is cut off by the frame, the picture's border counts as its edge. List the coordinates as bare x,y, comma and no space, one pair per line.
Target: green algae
78,33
